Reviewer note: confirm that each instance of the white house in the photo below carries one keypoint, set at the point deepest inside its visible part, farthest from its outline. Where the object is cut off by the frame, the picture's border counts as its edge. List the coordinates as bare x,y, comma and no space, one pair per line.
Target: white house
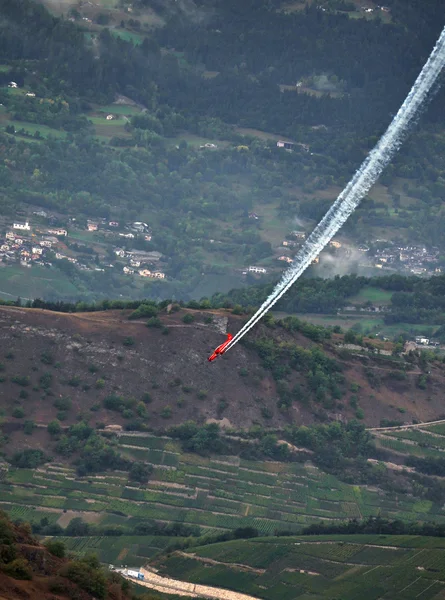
12,84
30,94
37,250
145,273
92,226
58,232
22,226
113,224
127,235
128,271
135,263
110,117
18,241
119,252
158,275
60,256
46,243
257,270
147,237
10,235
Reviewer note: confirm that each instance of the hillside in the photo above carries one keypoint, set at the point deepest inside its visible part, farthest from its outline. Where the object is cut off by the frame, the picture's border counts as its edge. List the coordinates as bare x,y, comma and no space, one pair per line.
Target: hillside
59,365
29,570
348,567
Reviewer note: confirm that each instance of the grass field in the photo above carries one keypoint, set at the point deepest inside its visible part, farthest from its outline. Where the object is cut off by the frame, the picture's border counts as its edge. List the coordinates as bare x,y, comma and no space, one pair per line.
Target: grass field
36,282
32,128
128,36
371,294
326,567
120,109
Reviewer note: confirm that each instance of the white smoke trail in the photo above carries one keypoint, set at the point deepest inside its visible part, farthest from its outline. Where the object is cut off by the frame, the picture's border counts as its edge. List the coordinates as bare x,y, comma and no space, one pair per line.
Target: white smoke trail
359,185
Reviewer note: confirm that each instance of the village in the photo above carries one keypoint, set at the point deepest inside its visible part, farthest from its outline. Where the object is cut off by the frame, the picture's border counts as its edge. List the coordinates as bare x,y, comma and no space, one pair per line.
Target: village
42,246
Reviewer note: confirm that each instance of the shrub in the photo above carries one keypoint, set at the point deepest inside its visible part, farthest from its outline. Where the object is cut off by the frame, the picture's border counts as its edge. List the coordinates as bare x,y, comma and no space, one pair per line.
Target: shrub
100,383
74,381
140,472
359,413
28,459
202,394
22,380
54,428
166,412
128,341
63,403
188,318
23,394
18,413
93,368
144,310
28,427
87,575
10,355
18,569
47,358
46,381
56,548
146,398
154,322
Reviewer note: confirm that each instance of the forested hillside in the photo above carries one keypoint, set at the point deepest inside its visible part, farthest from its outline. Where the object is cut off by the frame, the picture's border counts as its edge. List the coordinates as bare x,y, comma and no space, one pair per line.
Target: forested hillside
117,119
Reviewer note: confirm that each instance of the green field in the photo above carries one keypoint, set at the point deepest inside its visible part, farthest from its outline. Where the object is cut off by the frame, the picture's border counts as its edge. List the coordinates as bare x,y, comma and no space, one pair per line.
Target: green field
35,282
32,128
128,36
371,294
368,567
120,109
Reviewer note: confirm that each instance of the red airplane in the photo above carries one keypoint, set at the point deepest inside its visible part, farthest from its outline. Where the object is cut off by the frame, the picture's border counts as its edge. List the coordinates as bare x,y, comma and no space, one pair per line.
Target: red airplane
221,349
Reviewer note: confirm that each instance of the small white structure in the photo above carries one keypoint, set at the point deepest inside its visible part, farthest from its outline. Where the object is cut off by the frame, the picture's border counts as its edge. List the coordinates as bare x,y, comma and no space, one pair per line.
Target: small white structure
147,238
58,232
127,235
158,275
119,252
135,263
12,84
10,235
257,270
128,271
92,226
110,117
30,94
22,226
46,243
422,340
37,250
144,273
113,224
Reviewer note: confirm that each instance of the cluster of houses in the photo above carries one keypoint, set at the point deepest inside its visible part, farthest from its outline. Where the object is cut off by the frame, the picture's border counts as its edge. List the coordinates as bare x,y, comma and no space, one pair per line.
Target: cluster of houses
19,245
415,260
43,245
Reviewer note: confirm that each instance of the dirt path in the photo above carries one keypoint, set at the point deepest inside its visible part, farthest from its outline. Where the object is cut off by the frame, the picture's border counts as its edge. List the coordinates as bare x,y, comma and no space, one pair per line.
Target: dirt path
211,561
184,588
400,427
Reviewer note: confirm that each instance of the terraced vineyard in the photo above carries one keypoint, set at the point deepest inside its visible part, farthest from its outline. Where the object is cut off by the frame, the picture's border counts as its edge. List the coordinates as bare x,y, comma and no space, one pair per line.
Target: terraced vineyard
133,550
368,567
213,493
427,440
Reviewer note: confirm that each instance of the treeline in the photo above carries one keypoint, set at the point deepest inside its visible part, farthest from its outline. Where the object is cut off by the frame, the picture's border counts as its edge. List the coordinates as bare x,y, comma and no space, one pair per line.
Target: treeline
374,525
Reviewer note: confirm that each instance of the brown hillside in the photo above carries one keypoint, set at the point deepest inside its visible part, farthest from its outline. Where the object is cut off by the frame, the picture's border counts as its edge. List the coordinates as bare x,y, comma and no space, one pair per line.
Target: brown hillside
47,356
28,571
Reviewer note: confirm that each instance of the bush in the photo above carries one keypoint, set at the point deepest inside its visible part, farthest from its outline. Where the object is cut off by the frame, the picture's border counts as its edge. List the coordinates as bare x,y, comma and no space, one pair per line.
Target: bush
28,459
46,381
54,428
188,318
128,341
28,427
140,472
154,322
74,381
22,380
144,310
56,548
47,358
18,569
87,575
23,394
18,413
100,383
63,403
166,412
